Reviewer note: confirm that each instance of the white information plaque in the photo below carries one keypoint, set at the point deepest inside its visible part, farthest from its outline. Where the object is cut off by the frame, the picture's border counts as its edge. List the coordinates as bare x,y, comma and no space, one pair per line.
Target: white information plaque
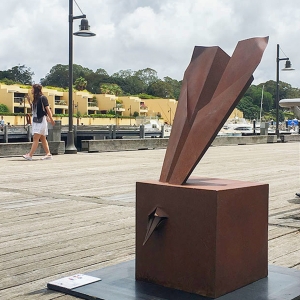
72,282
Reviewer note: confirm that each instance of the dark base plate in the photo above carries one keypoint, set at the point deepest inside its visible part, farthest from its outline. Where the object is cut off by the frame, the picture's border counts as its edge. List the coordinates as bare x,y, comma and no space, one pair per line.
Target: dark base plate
118,283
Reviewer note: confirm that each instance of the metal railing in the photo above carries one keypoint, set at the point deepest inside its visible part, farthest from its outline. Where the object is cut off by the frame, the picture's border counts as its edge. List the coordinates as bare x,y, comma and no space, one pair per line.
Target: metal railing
92,104
19,100
60,102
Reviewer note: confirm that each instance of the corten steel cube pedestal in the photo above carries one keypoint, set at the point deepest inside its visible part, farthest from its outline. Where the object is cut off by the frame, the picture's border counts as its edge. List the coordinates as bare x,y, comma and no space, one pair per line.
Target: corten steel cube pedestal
213,237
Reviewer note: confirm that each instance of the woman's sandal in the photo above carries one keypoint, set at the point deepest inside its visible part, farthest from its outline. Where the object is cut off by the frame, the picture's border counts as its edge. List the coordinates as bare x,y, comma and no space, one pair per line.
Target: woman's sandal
49,156
27,156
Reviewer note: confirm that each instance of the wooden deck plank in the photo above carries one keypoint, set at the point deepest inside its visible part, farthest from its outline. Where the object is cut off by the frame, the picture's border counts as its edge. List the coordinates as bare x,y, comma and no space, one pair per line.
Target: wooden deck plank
76,214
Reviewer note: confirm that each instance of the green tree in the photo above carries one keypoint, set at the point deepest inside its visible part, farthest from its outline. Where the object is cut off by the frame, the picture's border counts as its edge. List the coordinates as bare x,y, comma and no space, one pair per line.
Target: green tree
128,81
123,74
18,74
7,81
160,89
286,91
111,88
147,76
80,84
59,75
3,108
101,72
95,79
258,94
250,110
176,86
132,85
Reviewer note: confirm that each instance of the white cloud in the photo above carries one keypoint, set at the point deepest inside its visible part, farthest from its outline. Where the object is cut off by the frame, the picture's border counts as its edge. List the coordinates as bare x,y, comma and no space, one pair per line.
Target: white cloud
136,34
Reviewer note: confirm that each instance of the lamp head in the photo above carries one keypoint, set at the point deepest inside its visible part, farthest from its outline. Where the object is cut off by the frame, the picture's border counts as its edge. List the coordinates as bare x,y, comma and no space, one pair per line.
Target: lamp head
84,29
288,66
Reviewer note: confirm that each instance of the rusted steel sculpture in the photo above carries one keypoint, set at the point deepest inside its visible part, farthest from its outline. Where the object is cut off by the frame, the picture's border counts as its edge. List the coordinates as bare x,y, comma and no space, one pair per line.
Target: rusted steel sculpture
212,86
205,236
213,241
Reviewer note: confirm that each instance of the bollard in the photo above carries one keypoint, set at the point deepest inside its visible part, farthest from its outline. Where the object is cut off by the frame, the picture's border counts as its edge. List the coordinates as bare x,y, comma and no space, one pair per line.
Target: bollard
142,131
54,132
5,132
163,131
264,128
75,135
114,133
110,132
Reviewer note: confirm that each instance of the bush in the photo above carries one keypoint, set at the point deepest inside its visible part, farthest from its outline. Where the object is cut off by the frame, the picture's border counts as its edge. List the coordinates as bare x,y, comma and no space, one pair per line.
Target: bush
3,108
101,116
146,96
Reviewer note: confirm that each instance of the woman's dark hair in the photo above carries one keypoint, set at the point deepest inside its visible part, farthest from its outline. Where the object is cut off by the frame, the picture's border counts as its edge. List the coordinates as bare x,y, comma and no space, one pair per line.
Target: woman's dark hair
37,93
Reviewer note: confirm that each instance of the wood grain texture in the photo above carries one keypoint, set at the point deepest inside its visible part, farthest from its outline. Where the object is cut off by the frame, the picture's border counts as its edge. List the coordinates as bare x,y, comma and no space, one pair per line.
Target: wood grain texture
76,213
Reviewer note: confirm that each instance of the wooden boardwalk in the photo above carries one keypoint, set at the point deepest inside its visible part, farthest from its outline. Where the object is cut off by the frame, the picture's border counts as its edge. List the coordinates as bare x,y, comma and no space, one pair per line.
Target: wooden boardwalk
76,213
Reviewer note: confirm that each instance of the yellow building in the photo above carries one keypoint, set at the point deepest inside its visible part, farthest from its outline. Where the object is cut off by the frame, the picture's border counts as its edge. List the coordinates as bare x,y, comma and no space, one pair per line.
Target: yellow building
14,98
108,103
85,103
236,114
58,101
134,106
164,108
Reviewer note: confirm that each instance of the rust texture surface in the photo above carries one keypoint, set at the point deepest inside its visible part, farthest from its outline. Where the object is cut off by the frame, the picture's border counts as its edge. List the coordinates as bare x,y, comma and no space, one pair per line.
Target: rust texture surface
213,241
212,85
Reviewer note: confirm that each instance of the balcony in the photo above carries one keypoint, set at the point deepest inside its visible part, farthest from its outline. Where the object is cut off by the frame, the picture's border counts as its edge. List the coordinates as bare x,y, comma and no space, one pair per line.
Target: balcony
18,100
143,108
21,102
61,103
21,105
93,104
119,107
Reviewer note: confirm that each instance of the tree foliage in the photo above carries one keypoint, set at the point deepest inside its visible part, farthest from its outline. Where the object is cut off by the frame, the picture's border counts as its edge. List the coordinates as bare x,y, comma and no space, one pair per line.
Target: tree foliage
80,84
59,75
7,81
18,74
3,108
250,104
130,82
111,88
249,109
161,89
147,76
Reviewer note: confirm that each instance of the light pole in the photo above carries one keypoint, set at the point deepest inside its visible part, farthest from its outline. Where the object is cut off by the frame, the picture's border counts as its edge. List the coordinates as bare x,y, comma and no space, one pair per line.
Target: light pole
261,102
76,106
288,67
130,113
116,115
23,101
83,32
170,111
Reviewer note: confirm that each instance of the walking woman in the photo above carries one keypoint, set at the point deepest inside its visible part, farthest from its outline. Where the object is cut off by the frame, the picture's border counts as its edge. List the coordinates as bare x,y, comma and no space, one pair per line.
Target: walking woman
41,114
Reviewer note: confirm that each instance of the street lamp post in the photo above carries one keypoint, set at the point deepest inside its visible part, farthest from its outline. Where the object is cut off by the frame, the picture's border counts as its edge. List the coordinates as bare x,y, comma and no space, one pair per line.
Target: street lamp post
83,32
23,101
116,114
77,117
170,111
130,113
288,67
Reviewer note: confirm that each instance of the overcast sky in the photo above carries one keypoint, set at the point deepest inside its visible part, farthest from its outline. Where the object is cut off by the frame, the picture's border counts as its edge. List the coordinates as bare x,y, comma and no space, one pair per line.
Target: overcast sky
137,34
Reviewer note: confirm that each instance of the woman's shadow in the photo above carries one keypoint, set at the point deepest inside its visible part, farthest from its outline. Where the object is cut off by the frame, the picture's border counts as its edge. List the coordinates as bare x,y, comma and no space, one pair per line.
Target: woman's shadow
296,200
